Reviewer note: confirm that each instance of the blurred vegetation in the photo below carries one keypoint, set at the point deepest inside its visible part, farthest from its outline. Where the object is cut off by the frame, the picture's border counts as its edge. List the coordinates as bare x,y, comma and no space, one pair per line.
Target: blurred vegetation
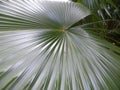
105,18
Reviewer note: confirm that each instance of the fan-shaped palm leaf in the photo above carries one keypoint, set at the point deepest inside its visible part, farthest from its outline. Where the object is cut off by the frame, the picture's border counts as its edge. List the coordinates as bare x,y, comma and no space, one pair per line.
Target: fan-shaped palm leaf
40,50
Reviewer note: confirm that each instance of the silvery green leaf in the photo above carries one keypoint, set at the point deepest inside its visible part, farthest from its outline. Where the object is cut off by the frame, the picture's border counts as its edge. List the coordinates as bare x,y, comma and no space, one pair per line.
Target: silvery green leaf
39,50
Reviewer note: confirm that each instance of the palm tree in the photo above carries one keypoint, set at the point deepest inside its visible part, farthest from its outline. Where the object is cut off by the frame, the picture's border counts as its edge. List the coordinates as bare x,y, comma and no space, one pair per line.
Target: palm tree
43,48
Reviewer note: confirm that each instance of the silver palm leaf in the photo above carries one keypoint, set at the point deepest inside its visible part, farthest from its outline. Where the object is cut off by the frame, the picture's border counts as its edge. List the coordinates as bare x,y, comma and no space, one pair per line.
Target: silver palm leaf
40,50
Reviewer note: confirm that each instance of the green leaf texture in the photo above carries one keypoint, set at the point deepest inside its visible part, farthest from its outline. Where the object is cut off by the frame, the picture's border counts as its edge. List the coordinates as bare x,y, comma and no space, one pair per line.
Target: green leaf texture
39,50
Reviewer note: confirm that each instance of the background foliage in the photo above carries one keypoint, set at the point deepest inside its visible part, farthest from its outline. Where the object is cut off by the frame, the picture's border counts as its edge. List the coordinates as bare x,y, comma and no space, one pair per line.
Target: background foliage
108,13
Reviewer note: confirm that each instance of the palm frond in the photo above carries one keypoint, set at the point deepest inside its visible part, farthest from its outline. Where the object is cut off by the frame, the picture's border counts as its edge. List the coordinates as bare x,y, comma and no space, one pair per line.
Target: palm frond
39,50
39,14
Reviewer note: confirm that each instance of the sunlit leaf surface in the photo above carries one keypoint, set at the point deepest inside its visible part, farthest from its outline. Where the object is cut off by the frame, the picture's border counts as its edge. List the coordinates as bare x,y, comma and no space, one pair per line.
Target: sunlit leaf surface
39,50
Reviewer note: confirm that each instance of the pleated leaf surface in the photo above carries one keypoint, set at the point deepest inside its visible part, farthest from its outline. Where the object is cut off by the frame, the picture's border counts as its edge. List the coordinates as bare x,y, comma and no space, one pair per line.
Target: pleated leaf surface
40,50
